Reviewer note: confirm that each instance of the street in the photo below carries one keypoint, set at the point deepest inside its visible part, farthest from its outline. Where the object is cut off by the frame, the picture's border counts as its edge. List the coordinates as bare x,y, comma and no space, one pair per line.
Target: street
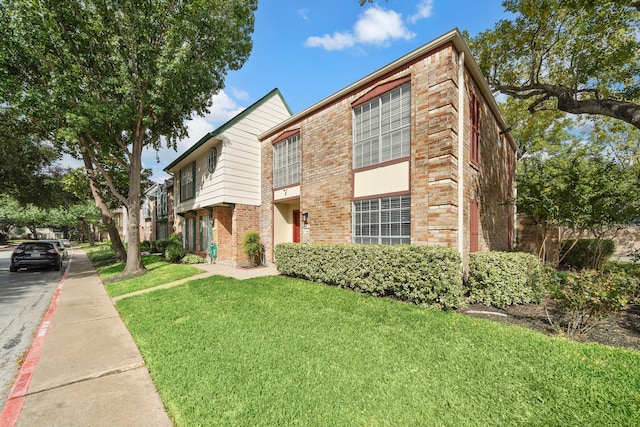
24,299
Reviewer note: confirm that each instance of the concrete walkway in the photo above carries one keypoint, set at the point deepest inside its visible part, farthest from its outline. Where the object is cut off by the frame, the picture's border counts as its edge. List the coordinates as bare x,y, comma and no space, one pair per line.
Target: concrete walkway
84,369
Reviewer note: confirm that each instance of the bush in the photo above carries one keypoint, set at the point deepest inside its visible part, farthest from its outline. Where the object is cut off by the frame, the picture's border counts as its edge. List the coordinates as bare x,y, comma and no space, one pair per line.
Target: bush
174,251
192,259
429,276
585,253
159,246
145,246
252,247
505,278
632,271
586,298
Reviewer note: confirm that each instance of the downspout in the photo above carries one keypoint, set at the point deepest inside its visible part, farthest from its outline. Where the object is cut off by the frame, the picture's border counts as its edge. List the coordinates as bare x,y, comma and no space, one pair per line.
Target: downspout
461,88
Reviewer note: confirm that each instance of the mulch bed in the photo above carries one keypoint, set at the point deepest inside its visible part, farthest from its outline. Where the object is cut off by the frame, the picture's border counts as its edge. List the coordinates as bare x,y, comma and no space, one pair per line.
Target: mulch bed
621,330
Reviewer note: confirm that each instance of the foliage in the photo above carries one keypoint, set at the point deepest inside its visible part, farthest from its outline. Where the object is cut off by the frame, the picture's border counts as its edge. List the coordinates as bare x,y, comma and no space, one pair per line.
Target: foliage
583,254
506,278
25,160
109,79
586,298
145,246
288,352
576,56
424,275
159,246
252,247
192,259
174,250
577,189
632,271
546,131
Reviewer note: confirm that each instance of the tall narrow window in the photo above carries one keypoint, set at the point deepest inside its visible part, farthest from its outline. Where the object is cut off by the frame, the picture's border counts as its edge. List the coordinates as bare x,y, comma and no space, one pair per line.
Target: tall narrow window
385,220
382,127
205,232
286,161
163,206
188,182
474,114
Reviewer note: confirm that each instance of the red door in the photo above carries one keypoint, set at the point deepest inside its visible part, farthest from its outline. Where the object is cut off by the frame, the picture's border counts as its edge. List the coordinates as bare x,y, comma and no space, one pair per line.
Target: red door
473,226
296,226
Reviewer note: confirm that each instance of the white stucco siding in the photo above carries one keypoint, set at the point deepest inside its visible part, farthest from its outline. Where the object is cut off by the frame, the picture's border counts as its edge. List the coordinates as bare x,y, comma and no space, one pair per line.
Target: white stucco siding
237,176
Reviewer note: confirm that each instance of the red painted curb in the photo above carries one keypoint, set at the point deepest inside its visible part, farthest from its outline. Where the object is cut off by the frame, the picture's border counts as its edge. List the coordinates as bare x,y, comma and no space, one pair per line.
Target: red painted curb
17,396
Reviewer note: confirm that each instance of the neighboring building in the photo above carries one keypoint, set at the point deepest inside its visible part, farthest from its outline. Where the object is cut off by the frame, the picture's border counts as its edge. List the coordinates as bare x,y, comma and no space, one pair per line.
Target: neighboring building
164,210
217,181
416,152
148,212
156,212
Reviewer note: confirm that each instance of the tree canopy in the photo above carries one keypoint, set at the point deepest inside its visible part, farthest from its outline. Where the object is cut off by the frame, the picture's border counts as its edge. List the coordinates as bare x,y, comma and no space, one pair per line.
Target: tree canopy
576,56
108,78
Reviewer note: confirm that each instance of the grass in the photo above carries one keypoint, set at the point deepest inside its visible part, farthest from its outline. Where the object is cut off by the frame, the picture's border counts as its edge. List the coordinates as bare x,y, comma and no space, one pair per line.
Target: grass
281,351
159,271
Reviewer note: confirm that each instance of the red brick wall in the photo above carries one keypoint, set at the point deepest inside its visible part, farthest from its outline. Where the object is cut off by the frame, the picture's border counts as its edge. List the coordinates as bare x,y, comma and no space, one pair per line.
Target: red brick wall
327,177
245,219
223,232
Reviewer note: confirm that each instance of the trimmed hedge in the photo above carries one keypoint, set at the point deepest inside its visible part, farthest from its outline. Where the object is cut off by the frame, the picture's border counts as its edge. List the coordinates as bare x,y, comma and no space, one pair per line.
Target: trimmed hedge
583,254
505,278
424,275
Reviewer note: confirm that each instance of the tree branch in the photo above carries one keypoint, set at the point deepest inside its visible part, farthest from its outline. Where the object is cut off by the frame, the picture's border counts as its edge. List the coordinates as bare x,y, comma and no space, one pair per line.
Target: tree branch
104,173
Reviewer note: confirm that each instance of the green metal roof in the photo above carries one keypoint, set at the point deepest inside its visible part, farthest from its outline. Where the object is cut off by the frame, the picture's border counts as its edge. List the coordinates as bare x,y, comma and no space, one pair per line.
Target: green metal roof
227,125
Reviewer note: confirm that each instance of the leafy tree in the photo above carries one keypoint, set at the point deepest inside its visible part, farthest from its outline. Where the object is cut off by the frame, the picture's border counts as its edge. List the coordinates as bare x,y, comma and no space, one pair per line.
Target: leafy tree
110,78
578,190
24,160
576,56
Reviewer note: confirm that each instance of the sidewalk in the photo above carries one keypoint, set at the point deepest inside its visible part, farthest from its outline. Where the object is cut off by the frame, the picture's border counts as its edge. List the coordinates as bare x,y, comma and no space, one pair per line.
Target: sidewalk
89,371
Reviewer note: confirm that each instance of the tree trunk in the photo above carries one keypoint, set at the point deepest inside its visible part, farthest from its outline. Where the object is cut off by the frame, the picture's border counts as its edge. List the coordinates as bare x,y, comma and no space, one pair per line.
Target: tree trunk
87,232
134,257
34,231
107,218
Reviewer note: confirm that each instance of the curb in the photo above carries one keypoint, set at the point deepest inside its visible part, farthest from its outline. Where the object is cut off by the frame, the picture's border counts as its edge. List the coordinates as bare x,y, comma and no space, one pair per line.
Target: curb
17,395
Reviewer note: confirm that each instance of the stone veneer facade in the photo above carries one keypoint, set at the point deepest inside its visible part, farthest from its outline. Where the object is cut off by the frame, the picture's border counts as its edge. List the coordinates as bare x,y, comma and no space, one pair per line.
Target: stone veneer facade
326,188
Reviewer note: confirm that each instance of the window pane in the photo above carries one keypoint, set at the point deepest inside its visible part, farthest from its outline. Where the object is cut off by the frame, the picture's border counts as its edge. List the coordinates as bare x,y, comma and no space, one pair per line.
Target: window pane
386,220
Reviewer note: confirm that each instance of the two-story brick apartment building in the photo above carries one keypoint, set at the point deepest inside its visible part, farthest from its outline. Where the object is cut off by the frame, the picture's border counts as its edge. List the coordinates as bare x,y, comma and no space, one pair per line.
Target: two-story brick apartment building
416,152
217,181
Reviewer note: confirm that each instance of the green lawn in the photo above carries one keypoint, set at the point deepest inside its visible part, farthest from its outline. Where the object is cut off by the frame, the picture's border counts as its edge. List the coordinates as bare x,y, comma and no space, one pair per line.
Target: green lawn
278,351
159,271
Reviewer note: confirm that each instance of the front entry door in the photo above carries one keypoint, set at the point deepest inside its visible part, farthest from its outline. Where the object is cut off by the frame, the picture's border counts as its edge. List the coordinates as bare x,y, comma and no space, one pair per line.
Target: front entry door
296,226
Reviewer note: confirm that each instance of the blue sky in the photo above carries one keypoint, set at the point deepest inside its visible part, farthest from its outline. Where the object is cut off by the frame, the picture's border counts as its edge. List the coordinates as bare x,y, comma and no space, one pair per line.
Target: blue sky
310,49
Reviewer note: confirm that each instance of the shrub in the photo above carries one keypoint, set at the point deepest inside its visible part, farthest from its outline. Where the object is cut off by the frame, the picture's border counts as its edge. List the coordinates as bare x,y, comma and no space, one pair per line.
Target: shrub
429,276
505,278
586,253
586,298
159,246
174,250
252,247
192,259
632,270
145,246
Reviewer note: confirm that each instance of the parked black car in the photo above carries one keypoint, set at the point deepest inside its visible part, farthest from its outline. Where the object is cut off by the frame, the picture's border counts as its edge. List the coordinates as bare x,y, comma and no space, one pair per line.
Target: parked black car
36,254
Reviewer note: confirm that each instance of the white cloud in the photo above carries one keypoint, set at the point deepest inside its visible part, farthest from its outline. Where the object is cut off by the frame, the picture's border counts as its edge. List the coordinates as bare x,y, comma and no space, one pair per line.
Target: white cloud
425,9
335,42
304,14
375,26
242,95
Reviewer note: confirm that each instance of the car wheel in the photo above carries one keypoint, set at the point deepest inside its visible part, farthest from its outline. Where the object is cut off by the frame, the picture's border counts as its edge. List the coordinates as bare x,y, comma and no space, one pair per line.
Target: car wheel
13,269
